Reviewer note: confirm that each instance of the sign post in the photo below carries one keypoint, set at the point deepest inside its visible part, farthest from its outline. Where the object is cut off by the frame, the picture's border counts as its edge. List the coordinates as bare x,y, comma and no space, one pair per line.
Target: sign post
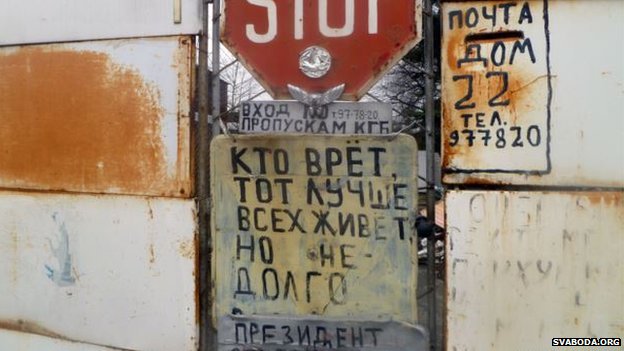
314,236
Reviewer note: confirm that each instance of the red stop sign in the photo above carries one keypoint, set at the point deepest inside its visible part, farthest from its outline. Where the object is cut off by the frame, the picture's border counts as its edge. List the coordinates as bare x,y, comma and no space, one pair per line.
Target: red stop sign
342,41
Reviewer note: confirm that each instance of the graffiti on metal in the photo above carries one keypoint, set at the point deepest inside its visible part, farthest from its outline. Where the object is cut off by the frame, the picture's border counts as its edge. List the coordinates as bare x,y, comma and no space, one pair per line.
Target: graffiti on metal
62,274
315,225
586,101
108,270
525,267
337,118
496,78
271,333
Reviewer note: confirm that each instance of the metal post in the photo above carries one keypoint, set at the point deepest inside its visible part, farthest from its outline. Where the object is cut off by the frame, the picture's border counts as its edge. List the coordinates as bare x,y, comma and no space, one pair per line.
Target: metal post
216,67
430,145
206,331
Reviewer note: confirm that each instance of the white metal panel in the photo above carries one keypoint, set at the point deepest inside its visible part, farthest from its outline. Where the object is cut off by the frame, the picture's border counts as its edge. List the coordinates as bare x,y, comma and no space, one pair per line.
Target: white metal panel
109,116
526,267
586,146
106,270
18,341
44,21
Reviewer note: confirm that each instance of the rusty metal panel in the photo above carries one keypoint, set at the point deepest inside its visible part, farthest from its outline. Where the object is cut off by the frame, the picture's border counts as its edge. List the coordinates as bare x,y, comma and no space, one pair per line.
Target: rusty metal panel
108,270
517,109
45,21
526,267
315,225
18,341
97,117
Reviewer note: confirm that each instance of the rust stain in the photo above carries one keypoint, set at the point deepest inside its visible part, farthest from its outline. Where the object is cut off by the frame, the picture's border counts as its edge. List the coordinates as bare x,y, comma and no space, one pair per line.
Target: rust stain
150,211
454,47
16,255
521,94
613,199
449,152
543,76
152,255
75,120
522,89
198,275
454,44
150,249
184,61
481,181
187,249
29,327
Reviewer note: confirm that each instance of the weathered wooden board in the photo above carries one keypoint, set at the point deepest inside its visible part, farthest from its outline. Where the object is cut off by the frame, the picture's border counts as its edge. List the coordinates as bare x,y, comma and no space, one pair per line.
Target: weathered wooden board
526,267
97,117
106,270
315,225
44,21
517,109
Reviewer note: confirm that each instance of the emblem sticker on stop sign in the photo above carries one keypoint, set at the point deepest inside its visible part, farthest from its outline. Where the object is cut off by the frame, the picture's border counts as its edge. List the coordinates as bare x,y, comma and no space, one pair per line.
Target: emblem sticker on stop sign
320,44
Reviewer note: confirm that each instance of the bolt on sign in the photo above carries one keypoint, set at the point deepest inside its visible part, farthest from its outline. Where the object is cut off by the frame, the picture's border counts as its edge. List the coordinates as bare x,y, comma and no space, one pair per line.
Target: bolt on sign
496,78
320,44
314,241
